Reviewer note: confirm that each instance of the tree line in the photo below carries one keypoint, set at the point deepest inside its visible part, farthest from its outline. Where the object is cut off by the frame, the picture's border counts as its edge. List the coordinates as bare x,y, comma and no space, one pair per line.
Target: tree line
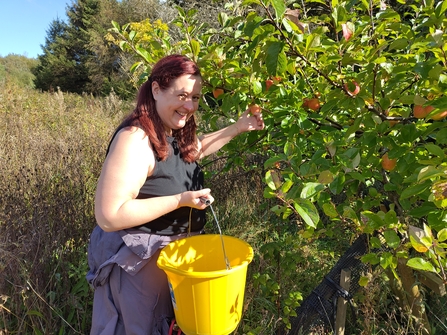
78,58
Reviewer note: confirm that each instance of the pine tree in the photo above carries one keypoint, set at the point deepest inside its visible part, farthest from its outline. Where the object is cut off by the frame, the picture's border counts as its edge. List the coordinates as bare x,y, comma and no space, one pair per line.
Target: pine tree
63,64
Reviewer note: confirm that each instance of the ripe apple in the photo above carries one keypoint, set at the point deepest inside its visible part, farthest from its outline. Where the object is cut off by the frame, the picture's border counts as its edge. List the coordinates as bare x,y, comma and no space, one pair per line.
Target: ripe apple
268,84
347,33
439,116
356,89
217,92
393,123
255,109
387,163
306,103
313,104
421,112
418,112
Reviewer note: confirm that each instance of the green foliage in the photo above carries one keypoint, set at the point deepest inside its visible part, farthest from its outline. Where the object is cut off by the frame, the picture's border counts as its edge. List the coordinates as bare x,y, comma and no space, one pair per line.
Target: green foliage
138,38
16,69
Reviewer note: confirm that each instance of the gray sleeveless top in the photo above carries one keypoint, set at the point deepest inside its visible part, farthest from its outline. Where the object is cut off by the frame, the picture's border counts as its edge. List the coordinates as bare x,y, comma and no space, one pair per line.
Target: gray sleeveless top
170,177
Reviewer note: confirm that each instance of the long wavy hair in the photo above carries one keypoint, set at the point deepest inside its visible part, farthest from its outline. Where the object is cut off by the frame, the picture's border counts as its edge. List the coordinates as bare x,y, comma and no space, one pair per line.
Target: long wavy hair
146,117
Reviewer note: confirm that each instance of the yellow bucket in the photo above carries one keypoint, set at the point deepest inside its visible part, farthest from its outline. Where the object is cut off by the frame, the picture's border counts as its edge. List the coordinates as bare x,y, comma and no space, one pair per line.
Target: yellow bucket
207,297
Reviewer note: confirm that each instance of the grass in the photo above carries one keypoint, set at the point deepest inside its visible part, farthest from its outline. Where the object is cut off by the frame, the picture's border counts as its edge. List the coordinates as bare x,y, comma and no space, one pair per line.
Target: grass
52,146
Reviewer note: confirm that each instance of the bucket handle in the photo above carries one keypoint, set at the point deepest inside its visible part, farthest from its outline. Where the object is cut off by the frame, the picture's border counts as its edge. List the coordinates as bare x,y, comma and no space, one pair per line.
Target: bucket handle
208,203
227,263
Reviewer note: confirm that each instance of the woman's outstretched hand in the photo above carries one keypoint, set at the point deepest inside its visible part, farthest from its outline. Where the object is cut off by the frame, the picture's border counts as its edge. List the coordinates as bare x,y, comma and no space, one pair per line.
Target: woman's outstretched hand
250,120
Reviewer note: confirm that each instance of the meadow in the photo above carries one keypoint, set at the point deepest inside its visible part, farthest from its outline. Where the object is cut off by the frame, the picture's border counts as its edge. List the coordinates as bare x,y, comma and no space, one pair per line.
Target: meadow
52,146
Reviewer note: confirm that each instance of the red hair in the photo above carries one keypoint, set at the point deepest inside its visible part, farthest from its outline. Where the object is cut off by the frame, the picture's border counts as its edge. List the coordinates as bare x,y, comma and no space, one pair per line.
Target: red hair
146,117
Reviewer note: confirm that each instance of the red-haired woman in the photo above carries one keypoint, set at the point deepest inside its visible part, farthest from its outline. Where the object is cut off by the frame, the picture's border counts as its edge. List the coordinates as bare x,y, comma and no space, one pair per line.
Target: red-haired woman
149,194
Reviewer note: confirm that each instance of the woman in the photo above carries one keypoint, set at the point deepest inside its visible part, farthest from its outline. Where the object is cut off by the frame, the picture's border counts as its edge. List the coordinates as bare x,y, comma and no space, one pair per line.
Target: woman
150,192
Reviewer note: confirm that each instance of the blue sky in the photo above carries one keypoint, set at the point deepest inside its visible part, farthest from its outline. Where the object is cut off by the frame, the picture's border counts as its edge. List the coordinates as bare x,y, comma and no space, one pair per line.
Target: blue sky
23,24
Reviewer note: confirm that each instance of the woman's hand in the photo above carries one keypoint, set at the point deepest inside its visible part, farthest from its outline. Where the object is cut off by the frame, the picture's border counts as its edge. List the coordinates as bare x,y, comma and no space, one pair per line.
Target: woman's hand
250,120
196,199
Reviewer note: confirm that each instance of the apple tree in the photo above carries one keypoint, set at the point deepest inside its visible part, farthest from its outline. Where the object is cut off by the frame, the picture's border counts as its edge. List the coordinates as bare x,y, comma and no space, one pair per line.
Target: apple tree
352,94
339,86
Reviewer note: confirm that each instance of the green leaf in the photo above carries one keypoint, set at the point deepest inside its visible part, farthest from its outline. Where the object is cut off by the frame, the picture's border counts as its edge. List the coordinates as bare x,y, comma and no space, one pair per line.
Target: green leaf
337,185
371,258
326,177
397,44
222,18
442,235
363,281
311,189
280,8
269,180
330,210
421,264
435,150
195,47
387,260
256,87
144,54
391,238
116,25
374,221
272,161
268,193
276,60
307,211
135,66
313,41
33,312
349,213
375,242
286,186
441,7
429,172
413,190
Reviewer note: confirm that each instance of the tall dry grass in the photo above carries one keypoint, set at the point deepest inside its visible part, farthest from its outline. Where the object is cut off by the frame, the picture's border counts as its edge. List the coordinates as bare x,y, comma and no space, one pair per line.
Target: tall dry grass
51,149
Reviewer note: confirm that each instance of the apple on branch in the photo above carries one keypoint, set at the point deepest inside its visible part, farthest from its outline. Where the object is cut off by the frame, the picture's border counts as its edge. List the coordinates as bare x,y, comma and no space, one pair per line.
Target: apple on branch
217,92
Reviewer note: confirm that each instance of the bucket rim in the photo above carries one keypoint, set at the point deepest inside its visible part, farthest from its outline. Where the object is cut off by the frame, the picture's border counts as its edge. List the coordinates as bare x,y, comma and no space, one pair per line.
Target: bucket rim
207,274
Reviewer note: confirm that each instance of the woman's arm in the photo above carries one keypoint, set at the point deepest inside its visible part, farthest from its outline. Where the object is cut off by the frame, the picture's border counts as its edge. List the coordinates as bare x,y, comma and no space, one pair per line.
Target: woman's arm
128,163
212,142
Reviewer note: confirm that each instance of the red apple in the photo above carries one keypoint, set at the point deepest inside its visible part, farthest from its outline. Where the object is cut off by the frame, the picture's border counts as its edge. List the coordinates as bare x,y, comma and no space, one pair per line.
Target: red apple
347,33
255,109
217,92
439,116
313,104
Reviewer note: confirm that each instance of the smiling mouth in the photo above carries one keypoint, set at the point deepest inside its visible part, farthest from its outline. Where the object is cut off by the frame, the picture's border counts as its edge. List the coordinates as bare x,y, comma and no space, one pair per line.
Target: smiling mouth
181,114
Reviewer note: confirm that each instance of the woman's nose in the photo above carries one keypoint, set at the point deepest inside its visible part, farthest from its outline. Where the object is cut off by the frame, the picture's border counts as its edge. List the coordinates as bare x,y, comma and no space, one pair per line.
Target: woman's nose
189,105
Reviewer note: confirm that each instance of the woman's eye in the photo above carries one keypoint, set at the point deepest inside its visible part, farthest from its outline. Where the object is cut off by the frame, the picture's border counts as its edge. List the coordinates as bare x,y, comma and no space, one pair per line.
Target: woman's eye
182,96
195,98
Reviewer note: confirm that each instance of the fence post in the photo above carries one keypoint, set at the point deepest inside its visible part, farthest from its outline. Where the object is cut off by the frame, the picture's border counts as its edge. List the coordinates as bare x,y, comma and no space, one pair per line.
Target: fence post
342,304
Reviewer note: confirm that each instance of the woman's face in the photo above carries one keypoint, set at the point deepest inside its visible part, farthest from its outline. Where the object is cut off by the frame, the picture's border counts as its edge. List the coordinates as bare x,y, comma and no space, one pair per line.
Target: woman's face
177,103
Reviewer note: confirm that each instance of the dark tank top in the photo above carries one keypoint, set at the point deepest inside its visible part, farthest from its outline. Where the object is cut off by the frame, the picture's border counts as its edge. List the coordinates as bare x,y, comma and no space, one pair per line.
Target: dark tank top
174,176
